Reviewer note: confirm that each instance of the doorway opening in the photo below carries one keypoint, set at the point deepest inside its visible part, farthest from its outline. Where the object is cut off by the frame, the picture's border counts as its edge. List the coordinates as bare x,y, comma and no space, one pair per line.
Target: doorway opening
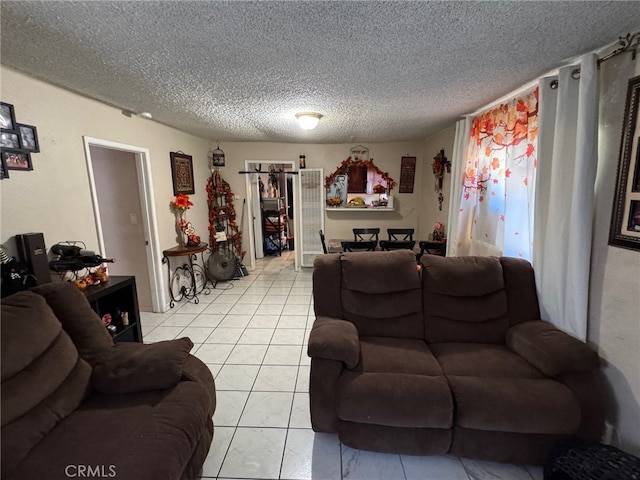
271,207
126,226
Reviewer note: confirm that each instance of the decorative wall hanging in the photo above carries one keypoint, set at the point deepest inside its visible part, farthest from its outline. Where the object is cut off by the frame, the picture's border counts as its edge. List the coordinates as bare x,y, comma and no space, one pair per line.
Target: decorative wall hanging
7,116
625,218
407,174
28,137
440,165
343,169
216,158
17,160
17,142
182,173
359,153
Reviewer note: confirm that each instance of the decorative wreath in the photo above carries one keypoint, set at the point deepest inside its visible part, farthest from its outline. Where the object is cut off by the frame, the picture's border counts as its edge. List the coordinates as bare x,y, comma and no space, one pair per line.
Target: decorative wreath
344,167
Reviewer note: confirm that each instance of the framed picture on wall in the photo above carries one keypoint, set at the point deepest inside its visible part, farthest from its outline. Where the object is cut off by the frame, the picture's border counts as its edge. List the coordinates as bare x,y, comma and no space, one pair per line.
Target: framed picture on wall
7,116
182,173
625,218
9,139
4,173
16,160
28,137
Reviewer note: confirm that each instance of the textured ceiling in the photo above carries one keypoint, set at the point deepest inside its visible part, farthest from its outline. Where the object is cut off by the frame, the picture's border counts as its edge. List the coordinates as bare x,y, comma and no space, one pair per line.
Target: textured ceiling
239,71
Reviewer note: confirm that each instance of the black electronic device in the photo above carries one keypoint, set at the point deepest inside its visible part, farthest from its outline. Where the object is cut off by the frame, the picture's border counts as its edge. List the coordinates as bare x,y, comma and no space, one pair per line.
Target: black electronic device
73,258
32,252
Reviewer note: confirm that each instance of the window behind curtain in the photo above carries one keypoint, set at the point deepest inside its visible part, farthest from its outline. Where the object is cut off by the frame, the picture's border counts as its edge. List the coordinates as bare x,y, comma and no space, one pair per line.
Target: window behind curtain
496,206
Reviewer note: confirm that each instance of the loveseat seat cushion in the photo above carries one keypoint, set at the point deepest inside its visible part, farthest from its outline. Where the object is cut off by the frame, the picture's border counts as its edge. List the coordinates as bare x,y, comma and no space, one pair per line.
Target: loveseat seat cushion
397,383
43,378
381,293
520,405
142,436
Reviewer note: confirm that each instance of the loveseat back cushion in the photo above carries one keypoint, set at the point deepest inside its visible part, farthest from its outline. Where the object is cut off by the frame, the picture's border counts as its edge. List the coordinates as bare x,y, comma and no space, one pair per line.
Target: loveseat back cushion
381,293
520,284
43,378
464,299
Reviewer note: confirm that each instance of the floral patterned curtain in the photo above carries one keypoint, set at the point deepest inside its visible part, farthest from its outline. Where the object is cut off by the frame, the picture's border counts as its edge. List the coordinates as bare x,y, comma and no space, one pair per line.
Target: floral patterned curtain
496,206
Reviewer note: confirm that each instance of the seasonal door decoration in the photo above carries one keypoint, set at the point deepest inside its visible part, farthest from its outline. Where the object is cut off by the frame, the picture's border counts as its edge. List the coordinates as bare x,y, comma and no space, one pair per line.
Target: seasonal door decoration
440,165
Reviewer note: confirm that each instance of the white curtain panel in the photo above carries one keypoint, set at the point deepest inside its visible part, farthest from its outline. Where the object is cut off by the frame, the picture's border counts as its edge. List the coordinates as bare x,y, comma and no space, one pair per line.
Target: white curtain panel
567,165
460,142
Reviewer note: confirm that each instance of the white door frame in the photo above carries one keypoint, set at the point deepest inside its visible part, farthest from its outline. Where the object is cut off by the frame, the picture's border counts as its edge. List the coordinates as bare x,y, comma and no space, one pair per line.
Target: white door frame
250,210
149,219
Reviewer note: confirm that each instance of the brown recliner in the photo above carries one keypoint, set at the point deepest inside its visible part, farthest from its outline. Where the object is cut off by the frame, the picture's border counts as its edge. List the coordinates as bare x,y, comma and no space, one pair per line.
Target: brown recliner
74,404
452,358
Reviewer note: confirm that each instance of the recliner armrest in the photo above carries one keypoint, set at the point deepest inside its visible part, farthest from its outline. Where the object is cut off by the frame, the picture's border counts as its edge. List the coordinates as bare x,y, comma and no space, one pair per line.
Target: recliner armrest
549,349
335,339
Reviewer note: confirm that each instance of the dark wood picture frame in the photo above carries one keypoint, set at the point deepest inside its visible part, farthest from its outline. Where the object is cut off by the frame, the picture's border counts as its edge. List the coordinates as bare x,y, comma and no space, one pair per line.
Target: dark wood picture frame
28,137
7,116
625,217
16,159
182,173
4,173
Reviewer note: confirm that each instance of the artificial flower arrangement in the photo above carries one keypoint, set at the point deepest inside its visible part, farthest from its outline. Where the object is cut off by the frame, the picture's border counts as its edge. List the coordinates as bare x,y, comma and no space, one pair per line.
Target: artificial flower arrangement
179,205
438,234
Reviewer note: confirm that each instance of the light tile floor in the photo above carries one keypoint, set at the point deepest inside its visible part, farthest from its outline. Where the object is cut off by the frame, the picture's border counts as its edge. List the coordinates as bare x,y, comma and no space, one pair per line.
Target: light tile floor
252,334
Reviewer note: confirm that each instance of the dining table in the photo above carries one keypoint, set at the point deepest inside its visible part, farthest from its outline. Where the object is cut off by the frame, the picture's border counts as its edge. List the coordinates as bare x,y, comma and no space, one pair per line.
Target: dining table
334,245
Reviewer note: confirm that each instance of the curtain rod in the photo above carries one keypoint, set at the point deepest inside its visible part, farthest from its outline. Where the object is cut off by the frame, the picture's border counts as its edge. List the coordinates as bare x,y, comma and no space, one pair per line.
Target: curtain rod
626,45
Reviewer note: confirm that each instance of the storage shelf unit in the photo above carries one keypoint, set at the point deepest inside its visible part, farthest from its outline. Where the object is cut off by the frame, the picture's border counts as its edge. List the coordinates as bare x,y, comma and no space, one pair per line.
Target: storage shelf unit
274,230
119,294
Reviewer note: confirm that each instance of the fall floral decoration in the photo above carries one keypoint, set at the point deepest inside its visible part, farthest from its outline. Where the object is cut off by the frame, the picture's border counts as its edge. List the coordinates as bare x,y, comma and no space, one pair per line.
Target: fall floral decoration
344,167
439,166
222,214
179,205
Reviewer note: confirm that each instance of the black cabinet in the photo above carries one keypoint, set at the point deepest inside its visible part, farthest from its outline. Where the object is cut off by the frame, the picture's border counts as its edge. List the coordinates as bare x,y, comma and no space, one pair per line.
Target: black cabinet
115,297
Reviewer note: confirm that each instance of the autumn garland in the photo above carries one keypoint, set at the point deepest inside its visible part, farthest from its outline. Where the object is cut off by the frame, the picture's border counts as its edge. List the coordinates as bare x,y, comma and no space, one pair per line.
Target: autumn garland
344,167
217,187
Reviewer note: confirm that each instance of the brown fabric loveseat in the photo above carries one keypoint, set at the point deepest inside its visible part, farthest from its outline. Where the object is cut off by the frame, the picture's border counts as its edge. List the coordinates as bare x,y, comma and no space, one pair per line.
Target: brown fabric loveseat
450,359
74,405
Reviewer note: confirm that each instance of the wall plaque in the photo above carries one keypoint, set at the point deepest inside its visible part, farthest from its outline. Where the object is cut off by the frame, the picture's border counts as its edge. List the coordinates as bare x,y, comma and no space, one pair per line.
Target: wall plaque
407,174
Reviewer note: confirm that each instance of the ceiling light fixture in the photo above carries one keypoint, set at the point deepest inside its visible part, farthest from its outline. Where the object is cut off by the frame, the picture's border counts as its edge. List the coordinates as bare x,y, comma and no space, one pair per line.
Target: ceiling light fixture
308,120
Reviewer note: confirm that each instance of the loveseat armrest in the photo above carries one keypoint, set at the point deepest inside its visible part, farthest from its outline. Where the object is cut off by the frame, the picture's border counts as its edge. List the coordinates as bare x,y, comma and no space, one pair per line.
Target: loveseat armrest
335,339
135,367
195,370
549,349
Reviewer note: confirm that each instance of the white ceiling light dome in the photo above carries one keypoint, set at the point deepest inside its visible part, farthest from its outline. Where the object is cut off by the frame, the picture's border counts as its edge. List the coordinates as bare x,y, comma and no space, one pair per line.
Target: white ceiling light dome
308,120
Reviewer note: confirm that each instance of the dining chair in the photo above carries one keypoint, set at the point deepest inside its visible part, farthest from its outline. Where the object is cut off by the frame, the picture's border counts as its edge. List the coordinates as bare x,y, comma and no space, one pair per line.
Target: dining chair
366,234
433,248
387,245
366,245
400,234
324,245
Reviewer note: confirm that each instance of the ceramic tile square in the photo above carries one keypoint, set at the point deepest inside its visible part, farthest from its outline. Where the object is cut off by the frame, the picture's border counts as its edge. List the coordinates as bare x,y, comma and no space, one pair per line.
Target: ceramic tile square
252,290
218,308
300,414
217,452
178,320
305,359
297,309
264,321
236,377
273,378
282,355
362,465
256,336
196,334
236,290
298,300
243,309
262,283
235,321
213,352
160,334
191,307
292,321
483,470
274,299
310,455
229,406
148,319
247,355
251,299
296,291
302,383
231,298
288,336
214,368
204,298
205,320
255,453
283,283
279,291
436,466
225,335
267,409
269,310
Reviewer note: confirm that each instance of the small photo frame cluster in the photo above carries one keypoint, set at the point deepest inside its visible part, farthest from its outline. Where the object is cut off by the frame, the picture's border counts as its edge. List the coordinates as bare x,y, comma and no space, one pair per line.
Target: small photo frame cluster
17,142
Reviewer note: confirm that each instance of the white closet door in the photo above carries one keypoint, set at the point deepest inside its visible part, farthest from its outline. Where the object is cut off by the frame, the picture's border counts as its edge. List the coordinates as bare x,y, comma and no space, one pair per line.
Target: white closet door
311,220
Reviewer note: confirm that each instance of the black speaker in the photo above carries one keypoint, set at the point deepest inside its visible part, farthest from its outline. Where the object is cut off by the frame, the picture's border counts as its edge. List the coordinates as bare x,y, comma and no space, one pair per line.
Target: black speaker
33,252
